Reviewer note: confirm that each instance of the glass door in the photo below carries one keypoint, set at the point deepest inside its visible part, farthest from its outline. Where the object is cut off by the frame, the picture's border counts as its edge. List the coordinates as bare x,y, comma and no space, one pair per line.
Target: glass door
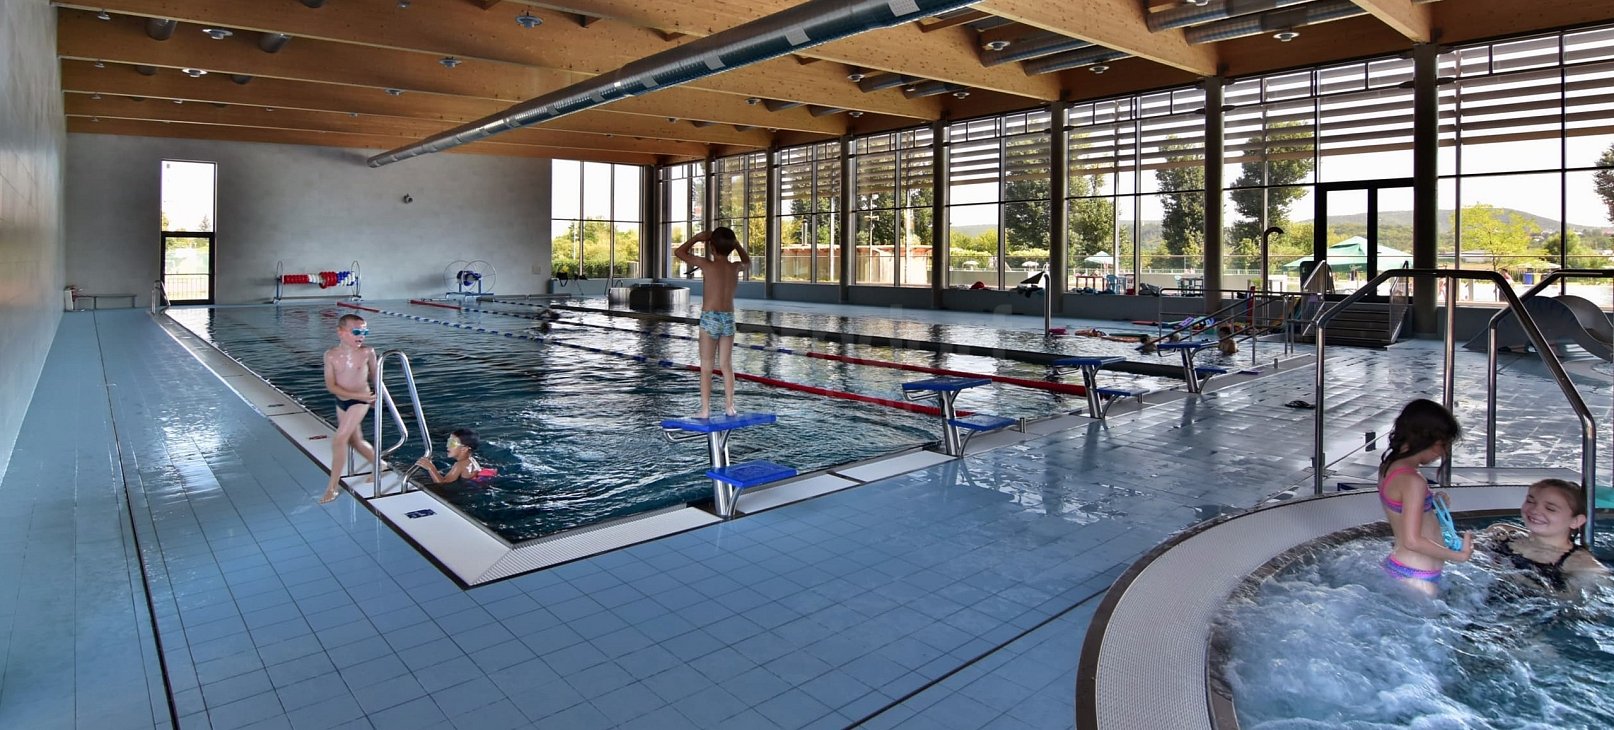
187,230
1362,229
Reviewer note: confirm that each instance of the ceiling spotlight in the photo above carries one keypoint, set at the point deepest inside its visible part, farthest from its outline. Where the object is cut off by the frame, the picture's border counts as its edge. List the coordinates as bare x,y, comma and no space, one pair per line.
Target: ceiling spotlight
855,76
1286,35
403,4
96,97
103,15
995,45
268,108
353,114
528,20
218,34
394,92
1197,3
179,101
193,72
1099,68
673,120
95,119
753,101
910,89
449,62
100,64
854,114
961,94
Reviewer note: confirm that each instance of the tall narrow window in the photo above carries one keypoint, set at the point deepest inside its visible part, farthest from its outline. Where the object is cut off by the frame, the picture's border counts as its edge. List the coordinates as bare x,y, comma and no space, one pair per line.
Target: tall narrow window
187,230
595,216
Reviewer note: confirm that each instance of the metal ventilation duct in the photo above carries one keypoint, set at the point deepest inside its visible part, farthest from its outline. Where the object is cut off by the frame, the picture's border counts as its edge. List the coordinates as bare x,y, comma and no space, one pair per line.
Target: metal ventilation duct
930,88
788,31
1274,21
1072,59
881,82
1028,49
273,42
160,29
1186,14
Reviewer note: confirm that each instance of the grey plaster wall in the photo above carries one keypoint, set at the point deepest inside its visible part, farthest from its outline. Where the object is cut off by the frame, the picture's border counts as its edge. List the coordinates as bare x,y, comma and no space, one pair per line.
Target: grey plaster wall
316,209
31,250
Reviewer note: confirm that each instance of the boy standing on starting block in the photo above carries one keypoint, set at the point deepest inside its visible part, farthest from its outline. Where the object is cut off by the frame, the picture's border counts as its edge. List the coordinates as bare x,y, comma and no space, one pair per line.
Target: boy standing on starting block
348,369
721,276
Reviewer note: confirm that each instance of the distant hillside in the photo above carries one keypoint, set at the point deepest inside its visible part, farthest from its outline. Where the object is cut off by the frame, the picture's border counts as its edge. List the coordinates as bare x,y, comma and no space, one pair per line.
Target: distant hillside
1443,218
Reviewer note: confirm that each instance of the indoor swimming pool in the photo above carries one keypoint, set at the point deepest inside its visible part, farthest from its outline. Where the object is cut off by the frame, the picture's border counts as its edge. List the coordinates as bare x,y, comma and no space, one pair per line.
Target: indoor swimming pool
571,420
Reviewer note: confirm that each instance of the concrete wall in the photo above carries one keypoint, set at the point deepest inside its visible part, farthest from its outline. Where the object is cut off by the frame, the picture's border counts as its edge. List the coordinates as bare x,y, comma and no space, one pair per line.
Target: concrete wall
316,209
31,250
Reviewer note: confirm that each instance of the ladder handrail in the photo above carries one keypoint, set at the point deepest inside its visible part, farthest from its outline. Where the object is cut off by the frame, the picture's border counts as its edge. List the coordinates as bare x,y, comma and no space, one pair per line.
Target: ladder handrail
1588,456
385,396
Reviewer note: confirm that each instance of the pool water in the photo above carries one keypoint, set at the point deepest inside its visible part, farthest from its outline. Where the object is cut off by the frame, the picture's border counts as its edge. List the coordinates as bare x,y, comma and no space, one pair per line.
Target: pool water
575,435
1327,641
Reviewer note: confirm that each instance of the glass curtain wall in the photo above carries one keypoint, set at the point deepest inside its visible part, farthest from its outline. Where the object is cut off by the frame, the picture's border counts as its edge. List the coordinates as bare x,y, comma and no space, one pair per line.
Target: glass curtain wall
809,213
683,197
741,195
894,208
1136,186
999,211
1528,172
595,217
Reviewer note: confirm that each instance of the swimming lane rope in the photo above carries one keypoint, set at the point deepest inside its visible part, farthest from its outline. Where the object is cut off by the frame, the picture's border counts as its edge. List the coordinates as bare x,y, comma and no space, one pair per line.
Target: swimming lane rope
1068,388
670,364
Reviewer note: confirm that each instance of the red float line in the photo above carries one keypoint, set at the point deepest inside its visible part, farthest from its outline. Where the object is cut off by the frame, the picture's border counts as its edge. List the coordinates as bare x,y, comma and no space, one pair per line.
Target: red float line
426,303
359,306
774,382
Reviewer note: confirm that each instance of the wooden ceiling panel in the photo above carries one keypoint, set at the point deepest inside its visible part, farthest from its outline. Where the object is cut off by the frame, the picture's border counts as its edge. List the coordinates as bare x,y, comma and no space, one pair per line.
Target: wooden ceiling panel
466,32
1410,20
119,79
1115,24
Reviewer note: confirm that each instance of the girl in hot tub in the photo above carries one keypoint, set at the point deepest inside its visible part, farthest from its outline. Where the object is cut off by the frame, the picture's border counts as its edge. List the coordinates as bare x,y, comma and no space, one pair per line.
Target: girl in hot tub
1422,434
1544,550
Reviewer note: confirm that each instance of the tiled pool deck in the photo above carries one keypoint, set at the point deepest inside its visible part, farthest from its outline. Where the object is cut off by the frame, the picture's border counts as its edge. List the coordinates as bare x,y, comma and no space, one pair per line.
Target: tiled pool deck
952,597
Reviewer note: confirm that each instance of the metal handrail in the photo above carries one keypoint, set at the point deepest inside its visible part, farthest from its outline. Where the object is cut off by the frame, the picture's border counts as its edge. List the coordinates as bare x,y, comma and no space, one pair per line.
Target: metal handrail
159,296
385,397
1193,322
1490,349
1588,455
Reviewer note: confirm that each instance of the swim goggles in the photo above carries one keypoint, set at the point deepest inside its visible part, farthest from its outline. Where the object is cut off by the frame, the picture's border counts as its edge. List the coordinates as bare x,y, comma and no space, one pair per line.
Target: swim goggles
360,331
454,443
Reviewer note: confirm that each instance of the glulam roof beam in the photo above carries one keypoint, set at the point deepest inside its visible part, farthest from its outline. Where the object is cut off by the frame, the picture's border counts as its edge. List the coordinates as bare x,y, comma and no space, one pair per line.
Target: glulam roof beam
466,32
1412,20
1117,24
948,54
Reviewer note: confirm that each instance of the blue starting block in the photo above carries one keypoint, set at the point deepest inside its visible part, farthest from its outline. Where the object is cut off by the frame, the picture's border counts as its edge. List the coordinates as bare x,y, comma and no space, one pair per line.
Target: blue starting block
727,479
751,474
1098,399
1195,377
944,390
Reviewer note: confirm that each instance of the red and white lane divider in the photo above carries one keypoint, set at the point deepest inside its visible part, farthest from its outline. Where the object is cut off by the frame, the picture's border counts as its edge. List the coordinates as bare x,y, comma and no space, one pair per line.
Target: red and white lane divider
670,364
1051,386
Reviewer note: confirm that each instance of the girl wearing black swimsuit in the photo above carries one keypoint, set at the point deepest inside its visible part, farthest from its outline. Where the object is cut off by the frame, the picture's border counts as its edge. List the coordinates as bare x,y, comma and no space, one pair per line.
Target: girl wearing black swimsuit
1544,548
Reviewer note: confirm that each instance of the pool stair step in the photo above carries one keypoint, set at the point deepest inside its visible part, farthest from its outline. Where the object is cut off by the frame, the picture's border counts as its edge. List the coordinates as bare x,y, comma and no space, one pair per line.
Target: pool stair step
747,474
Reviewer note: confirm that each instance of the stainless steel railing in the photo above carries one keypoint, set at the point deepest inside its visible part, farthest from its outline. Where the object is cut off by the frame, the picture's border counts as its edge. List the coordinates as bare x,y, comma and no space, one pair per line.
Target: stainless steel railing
1548,357
385,400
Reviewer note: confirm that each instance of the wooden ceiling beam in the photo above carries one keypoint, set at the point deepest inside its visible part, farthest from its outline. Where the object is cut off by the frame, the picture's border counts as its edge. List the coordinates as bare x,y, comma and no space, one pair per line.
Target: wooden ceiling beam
85,125
122,107
465,32
1469,20
948,54
1116,24
119,79
81,36
1416,22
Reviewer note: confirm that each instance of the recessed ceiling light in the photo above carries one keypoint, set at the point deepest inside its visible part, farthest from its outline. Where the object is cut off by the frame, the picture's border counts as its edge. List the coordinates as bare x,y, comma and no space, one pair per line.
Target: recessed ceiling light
179,101
528,20
449,61
403,4
268,108
1099,68
961,94
394,92
995,45
103,15
1197,3
1284,36
854,114
218,34
95,119
855,76
193,72
97,97
353,114
100,64
753,101
674,120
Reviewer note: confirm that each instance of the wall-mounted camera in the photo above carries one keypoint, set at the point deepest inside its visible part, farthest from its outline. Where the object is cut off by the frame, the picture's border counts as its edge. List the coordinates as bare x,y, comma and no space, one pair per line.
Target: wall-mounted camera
407,199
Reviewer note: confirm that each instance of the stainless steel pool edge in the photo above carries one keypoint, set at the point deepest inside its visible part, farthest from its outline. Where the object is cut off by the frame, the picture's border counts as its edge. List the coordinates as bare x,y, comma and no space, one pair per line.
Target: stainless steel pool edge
1144,660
